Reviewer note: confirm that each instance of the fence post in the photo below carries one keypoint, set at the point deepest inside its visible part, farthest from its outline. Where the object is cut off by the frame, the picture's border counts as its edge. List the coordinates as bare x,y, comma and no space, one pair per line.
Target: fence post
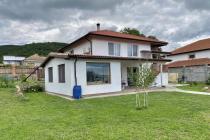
206,72
13,70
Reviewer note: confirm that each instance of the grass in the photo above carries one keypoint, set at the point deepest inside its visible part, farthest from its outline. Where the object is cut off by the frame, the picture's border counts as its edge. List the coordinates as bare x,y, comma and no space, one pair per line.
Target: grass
44,117
195,87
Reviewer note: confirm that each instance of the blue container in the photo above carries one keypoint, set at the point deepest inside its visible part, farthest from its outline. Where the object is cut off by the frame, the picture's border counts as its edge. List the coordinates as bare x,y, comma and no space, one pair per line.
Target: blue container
77,92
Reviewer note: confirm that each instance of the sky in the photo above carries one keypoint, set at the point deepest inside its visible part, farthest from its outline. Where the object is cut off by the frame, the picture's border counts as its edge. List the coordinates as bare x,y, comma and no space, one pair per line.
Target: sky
177,21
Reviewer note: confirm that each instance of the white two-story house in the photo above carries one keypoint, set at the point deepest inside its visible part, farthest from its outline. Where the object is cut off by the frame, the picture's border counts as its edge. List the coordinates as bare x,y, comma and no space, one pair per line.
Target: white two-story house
101,62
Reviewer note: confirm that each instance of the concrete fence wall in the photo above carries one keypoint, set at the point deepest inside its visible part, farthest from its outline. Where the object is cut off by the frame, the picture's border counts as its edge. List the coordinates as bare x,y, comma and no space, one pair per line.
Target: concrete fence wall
192,74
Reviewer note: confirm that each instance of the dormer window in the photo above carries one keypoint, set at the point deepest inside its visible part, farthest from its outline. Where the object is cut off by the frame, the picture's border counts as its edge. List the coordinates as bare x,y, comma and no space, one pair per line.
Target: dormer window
132,50
114,49
191,56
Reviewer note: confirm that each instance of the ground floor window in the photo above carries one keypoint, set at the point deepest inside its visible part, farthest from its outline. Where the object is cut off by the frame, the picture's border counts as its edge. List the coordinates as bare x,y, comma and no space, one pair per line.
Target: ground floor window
61,73
98,73
50,74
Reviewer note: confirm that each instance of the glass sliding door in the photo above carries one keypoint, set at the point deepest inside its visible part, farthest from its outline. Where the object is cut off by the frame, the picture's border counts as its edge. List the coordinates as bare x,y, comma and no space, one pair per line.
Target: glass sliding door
130,74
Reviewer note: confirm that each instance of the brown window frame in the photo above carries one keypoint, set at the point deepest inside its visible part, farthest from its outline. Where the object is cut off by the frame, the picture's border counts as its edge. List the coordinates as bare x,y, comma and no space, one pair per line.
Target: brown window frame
50,74
61,73
191,56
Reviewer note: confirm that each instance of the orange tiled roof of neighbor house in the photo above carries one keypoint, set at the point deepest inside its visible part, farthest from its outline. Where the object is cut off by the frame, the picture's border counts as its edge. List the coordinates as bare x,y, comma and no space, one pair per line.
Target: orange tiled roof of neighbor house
187,63
193,47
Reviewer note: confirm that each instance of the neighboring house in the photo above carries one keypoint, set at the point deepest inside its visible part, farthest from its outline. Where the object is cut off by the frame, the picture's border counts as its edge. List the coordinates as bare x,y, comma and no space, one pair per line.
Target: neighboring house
102,61
191,62
34,60
13,60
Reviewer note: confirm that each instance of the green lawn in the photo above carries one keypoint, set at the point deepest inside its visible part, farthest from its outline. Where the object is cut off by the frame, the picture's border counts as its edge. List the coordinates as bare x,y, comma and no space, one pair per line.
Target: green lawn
194,87
43,117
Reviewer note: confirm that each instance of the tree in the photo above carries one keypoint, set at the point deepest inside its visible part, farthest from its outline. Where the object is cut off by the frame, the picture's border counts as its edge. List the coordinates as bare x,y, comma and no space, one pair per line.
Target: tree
132,31
142,79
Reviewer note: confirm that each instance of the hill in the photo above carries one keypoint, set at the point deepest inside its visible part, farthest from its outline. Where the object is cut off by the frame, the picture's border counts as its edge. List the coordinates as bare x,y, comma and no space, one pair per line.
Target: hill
30,49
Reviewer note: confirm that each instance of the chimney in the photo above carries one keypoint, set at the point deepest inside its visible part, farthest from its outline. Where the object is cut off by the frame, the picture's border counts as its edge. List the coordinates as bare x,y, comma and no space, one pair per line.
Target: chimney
98,26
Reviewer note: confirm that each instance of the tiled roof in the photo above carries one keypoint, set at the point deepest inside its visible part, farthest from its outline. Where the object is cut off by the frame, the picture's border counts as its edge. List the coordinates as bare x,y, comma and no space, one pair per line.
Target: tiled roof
125,36
196,46
81,56
187,63
35,57
113,34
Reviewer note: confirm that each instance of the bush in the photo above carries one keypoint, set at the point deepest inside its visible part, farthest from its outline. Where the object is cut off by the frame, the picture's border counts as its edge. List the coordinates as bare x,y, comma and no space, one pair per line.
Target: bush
208,81
31,86
6,82
193,83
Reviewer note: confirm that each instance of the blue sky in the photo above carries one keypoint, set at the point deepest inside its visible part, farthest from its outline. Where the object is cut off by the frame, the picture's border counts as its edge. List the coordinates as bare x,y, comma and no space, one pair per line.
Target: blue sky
177,21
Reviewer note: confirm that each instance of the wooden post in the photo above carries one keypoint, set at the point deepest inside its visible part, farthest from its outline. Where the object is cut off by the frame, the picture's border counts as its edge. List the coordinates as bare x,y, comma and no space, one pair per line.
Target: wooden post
13,70
206,72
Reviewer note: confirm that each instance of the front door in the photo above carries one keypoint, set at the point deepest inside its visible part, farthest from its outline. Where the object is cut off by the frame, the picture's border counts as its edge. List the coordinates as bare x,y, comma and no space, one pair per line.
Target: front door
130,73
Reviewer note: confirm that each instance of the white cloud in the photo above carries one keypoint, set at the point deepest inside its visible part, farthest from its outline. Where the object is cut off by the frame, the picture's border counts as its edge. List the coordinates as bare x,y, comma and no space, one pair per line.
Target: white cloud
175,21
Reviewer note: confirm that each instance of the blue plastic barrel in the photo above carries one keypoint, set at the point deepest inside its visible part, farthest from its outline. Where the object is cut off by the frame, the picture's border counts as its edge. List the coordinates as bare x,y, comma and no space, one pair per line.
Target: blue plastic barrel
77,92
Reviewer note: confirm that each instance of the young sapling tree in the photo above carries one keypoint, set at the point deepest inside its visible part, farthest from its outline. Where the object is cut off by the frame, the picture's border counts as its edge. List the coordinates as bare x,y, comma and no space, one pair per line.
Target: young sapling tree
142,79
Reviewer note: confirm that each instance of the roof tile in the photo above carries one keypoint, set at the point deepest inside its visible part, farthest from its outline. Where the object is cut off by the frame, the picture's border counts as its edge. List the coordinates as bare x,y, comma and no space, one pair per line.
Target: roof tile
187,63
196,46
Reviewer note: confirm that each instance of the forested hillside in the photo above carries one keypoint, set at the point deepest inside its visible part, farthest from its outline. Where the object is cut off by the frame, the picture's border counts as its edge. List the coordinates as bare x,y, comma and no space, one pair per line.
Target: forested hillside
30,49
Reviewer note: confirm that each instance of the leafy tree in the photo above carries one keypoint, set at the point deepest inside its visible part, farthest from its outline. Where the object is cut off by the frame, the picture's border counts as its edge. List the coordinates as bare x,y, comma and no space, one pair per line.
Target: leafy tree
132,31
142,79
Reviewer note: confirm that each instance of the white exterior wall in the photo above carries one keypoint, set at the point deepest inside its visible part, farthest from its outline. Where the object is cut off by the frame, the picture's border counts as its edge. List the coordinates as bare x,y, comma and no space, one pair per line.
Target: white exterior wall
100,47
199,54
55,86
114,86
161,80
82,48
67,87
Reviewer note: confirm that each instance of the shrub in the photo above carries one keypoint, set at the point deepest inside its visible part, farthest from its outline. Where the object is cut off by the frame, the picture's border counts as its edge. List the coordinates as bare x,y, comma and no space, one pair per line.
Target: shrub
31,86
208,81
6,82
193,83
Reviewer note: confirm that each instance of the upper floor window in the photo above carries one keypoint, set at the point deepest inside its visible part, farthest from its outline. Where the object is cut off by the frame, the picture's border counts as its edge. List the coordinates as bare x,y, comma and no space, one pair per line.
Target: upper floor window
132,50
114,49
191,56
61,73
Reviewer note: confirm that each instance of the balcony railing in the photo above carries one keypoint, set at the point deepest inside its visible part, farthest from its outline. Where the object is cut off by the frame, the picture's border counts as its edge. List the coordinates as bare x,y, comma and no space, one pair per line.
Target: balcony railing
154,54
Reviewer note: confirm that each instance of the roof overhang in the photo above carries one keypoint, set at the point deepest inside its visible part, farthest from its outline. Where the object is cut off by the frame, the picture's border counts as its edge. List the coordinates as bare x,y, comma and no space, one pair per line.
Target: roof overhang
74,56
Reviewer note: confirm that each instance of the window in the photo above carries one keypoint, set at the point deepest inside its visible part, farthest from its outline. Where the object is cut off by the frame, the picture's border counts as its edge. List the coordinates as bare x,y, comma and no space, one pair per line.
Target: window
61,73
50,74
191,56
98,73
114,49
132,50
